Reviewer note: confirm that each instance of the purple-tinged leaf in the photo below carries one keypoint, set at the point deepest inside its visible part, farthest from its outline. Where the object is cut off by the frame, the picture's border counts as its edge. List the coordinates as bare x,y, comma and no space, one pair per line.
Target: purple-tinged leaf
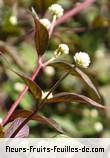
24,132
77,72
34,88
41,36
87,80
37,117
1,132
74,97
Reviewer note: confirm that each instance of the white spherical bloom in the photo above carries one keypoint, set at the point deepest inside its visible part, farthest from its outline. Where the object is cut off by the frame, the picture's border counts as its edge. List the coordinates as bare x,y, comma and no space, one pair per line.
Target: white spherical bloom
44,94
13,20
19,86
1,120
82,59
56,9
49,70
46,23
98,126
63,48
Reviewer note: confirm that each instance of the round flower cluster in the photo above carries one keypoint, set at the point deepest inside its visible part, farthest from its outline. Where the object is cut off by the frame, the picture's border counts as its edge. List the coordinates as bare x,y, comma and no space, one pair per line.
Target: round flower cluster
13,20
1,120
62,49
44,94
46,23
19,86
49,70
82,59
56,9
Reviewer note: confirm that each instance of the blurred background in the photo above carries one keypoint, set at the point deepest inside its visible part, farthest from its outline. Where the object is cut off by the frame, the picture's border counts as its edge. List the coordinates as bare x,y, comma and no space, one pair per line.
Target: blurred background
87,31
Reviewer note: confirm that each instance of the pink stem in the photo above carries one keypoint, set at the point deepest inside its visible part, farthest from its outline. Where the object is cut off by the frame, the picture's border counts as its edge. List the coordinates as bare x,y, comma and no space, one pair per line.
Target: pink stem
20,97
74,11
52,26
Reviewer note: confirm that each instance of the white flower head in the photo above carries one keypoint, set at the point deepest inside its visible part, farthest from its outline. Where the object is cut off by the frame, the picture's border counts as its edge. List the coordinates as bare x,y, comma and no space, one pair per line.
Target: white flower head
13,20
46,23
56,9
19,86
62,49
44,94
82,59
49,70
1,120
98,126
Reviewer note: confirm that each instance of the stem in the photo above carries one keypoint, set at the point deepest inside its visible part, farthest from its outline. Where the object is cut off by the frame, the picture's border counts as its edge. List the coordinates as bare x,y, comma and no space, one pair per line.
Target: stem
20,97
52,25
40,105
74,11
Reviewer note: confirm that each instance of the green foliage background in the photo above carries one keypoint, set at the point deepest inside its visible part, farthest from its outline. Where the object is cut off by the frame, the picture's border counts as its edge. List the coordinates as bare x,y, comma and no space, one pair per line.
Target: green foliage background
88,31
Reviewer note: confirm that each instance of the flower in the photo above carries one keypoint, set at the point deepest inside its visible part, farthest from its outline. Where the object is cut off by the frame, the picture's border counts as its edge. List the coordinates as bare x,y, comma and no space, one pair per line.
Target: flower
1,120
49,70
62,49
44,94
98,126
19,86
13,20
56,9
82,59
46,23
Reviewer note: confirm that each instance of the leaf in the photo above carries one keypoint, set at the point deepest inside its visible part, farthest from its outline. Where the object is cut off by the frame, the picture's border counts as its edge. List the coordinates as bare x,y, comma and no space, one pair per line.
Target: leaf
41,36
24,132
73,97
87,80
78,72
34,88
1,132
40,118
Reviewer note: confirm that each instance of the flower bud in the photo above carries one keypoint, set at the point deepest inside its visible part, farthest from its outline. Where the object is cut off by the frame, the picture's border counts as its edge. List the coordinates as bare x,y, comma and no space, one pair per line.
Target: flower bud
46,23
62,49
82,59
56,10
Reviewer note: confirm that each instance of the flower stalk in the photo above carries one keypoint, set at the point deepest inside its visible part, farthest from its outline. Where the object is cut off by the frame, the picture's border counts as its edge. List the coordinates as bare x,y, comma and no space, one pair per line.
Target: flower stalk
20,97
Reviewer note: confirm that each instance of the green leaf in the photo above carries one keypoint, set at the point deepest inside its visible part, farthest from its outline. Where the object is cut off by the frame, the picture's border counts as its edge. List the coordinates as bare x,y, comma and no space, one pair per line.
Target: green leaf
41,36
37,117
74,97
77,72
34,88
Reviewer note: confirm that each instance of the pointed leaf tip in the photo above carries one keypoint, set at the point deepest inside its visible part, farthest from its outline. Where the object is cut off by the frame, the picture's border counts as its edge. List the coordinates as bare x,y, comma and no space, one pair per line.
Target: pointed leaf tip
74,97
41,36
78,72
34,88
